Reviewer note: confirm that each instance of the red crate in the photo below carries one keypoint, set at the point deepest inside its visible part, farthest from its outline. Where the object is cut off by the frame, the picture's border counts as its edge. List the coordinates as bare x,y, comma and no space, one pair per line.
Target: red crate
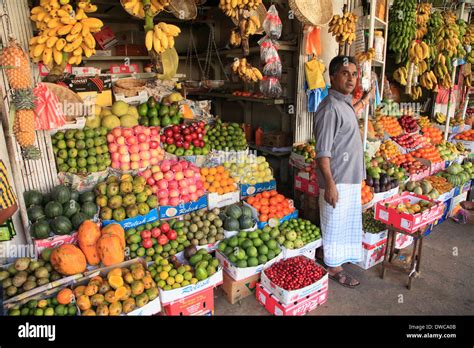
200,303
300,307
404,221
301,184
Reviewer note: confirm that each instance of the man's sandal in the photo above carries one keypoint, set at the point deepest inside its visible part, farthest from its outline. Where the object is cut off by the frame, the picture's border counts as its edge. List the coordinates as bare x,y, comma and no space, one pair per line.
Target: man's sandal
344,279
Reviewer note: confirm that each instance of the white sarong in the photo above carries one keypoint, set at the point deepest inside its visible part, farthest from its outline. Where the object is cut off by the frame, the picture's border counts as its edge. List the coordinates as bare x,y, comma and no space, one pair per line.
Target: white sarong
341,227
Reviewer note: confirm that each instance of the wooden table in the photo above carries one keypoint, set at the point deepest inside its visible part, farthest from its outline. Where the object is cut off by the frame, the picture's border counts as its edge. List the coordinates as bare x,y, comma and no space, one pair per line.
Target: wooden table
414,268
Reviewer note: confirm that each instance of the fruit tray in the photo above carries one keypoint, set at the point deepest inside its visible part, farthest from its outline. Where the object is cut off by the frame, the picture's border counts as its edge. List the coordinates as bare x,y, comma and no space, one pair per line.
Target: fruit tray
250,190
308,250
54,242
301,307
135,221
287,297
386,213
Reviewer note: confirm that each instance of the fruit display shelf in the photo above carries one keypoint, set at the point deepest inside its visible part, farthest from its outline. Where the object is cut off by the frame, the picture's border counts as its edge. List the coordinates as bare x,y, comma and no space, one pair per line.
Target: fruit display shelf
231,97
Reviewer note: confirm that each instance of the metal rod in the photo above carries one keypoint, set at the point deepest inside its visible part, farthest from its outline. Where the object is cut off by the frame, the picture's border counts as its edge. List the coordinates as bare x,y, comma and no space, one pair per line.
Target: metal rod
448,116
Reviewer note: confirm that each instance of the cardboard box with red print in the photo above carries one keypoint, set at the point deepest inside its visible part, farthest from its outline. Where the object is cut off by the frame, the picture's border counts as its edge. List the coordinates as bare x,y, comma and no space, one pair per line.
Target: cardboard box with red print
297,308
372,254
200,303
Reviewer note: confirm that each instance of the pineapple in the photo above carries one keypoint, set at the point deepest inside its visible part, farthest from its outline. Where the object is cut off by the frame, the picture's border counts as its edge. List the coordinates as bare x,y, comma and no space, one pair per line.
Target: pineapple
24,123
16,64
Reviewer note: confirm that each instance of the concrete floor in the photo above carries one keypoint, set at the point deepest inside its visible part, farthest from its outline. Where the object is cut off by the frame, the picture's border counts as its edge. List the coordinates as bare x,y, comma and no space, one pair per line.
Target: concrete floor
444,286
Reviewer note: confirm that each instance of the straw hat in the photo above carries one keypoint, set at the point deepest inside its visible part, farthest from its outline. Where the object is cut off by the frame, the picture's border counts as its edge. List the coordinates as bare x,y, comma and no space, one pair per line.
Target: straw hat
183,9
312,12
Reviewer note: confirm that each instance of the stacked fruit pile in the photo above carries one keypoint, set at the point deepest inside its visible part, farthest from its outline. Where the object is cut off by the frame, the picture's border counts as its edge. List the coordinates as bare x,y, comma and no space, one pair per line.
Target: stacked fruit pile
226,136
366,193
250,249
408,207
343,27
271,204
59,305
402,20
429,152
61,212
433,134
171,274
26,274
306,150
423,121
295,273
203,227
467,135
174,182
439,183
161,37
120,115
423,187
458,174
156,238
237,218
409,163
250,169
390,125
185,139
245,71
218,180
81,151
135,148
410,141
121,291
64,33
124,197
369,224
296,233
163,114
408,124
387,150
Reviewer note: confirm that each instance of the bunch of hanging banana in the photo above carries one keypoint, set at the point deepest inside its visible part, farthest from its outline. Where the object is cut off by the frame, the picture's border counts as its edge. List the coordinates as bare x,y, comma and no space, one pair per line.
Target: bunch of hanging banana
416,92
64,34
440,118
401,75
245,71
365,56
423,121
249,26
422,17
460,147
137,9
470,57
418,51
436,21
468,38
449,17
343,27
161,37
235,38
441,71
448,39
428,80
233,8
402,27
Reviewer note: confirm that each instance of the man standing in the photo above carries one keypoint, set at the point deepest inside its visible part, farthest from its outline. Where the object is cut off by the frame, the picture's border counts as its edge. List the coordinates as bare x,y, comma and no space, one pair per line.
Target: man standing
341,169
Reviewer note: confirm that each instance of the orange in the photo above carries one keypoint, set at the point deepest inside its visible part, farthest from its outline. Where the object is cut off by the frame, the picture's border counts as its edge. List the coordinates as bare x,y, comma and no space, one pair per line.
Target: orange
206,185
263,218
264,201
266,194
225,175
213,171
273,193
257,205
230,181
205,171
220,191
264,210
65,296
217,177
220,169
210,178
251,200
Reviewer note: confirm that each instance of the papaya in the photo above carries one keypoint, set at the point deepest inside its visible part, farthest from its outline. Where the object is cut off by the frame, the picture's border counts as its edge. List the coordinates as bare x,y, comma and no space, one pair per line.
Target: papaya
88,235
116,230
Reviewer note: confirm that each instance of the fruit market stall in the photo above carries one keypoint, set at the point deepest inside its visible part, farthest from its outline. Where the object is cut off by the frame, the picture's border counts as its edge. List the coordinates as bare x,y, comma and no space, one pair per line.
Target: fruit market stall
152,191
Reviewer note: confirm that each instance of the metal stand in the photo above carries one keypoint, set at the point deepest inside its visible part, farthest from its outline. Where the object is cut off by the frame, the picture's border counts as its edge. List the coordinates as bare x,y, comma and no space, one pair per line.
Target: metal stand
414,269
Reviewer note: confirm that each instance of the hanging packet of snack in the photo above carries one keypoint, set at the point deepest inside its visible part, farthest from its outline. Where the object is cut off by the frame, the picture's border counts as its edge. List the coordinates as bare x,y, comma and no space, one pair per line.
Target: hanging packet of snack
272,23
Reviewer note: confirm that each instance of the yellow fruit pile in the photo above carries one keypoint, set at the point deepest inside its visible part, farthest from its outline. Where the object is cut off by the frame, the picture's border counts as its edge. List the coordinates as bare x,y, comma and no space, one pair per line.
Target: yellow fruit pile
233,8
136,8
343,28
64,33
161,37
245,71
388,150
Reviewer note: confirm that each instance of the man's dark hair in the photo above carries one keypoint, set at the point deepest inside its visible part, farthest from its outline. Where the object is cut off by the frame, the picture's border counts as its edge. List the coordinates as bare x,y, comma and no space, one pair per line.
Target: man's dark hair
338,61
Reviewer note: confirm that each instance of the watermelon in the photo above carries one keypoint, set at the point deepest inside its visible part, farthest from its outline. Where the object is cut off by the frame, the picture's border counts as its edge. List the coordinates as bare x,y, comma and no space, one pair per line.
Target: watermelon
247,211
40,229
53,209
87,197
70,208
246,222
77,219
89,208
61,225
61,194
233,211
33,197
231,224
35,213
75,195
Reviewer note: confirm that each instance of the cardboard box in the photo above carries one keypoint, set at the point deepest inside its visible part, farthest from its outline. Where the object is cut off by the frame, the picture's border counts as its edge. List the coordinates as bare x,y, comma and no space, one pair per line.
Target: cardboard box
136,221
181,209
298,161
404,221
54,242
446,196
131,50
373,238
309,250
236,290
301,184
105,38
250,190
300,307
455,204
215,200
82,183
199,303
242,273
287,297
372,254
384,195
142,97
313,189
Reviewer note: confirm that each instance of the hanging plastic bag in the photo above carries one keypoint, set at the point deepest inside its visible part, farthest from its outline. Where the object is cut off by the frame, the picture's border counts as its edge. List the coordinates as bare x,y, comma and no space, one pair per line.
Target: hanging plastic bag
272,23
268,49
313,40
49,114
273,68
270,87
314,70
170,62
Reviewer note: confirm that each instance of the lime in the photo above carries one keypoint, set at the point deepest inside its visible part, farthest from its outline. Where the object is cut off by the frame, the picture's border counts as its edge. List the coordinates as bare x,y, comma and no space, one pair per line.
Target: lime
242,264
252,262
170,281
252,251
263,250
173,273
257,242
272,244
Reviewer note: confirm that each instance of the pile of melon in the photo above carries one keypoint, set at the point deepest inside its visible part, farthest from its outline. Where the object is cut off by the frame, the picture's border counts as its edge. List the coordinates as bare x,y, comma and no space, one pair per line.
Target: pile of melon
60,212
237,218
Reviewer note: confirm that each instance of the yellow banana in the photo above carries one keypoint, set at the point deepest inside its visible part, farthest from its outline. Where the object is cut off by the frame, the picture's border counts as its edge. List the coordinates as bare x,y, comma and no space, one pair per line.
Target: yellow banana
65,30
60,44
77,28
51,41
57,56
38,50
149,40
47,55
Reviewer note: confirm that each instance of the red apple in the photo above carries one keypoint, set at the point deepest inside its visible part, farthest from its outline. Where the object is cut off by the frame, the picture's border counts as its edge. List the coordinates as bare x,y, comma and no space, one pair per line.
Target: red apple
110,138
174,201
162,184
113,147
173,193
146,173
163,193
185,198
165,165
144,147
155,232
158,176
163,201
173,184
134,148
154,144
117,132
150,181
